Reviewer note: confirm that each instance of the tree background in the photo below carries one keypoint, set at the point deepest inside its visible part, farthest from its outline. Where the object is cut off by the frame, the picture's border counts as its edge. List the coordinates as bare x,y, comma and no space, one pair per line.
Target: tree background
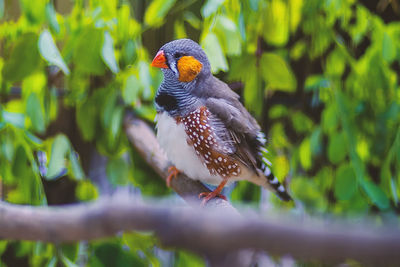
321,77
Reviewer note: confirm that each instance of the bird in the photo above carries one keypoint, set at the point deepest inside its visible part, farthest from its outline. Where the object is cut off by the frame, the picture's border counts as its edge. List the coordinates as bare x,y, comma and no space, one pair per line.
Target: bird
202,126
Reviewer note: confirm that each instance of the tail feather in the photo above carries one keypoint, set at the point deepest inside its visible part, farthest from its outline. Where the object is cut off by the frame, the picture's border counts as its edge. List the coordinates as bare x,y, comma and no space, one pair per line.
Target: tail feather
272,181
280,190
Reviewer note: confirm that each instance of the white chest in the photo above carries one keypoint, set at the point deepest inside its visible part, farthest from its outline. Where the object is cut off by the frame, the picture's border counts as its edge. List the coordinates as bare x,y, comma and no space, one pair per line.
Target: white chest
173,140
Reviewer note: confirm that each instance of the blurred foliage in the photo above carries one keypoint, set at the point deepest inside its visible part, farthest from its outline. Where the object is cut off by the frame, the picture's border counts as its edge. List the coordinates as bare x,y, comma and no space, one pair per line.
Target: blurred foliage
322,77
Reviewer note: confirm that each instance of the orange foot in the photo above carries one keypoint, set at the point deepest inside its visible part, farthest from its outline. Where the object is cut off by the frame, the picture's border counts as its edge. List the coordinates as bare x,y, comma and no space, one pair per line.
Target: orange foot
216,193
210,195
172,173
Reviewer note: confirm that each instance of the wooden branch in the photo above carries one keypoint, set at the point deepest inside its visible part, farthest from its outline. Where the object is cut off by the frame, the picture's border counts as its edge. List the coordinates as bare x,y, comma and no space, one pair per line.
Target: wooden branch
200,230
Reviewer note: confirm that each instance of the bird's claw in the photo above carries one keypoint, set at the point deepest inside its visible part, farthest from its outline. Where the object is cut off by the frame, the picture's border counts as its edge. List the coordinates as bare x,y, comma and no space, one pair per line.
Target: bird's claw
172,173
210,195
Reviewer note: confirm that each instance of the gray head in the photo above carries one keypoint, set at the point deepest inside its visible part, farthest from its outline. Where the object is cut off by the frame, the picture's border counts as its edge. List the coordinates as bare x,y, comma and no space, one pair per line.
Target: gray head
183,58
184,65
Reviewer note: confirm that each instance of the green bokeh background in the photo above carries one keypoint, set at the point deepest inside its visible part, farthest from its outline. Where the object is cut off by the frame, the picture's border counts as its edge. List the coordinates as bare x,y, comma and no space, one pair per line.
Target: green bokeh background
321,77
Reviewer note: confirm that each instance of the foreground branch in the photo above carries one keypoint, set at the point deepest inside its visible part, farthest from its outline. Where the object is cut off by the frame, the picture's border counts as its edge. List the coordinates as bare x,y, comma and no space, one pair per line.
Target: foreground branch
199,230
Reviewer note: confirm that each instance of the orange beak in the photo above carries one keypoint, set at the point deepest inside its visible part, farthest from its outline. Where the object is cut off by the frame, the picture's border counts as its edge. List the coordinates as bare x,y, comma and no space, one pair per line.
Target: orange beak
159,60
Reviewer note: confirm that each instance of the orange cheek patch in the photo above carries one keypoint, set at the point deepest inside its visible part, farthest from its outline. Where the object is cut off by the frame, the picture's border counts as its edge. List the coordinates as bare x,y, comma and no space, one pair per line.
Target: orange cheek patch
189,68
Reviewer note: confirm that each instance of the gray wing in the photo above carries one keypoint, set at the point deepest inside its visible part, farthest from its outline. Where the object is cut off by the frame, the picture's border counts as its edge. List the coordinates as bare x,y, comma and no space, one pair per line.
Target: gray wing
239,131
234,125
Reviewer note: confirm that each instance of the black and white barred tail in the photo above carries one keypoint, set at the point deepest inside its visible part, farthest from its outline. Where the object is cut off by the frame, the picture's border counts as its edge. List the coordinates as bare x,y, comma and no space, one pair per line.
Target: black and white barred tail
274,183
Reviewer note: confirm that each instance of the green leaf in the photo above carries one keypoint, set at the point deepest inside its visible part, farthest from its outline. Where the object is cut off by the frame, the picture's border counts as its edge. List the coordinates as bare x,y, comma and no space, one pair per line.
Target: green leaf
49,51
87,51
156,11
376,194
305,154
67,262
116,121
276,23
3,246
388,48
307,191
314,82
130,90
143,243
295,11
51,17
108,54
59,150
76,168
276,73
214,52
118,171
336,63
35,113
24,58
145,80
230,34
52,262
278,111
330,119
86,116
301,122
253,96
315,141
345,182
114,254
86,191
16,119
337,148
245,192
184,258
192,19
210,7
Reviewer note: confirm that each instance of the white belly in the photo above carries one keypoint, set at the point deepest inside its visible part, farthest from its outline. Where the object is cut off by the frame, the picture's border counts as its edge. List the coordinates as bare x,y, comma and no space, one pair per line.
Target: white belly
173,140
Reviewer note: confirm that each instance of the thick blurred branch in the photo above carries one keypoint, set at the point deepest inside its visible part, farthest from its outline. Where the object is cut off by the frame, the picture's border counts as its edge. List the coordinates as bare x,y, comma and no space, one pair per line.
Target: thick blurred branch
200,230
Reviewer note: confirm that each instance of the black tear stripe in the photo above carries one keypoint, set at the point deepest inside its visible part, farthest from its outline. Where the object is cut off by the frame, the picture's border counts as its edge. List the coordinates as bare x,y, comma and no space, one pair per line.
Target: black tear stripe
166,101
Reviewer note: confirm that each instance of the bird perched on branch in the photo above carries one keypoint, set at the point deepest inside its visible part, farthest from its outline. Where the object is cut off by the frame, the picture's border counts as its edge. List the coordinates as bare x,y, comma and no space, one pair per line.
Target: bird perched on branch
202,126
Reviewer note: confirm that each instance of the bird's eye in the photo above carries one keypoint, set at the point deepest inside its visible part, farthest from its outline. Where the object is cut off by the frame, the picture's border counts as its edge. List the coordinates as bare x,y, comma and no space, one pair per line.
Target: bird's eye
177,55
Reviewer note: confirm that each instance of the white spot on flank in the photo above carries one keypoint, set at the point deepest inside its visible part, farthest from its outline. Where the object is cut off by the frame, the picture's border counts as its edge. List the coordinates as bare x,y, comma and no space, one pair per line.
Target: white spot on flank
281,188
219,159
